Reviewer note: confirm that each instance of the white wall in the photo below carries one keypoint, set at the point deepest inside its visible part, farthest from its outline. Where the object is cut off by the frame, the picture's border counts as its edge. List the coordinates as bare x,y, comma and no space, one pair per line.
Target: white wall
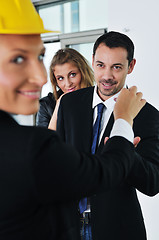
141,19
90,16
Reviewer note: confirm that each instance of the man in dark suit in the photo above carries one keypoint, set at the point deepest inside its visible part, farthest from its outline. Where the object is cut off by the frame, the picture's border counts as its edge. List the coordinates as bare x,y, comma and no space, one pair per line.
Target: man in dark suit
115,214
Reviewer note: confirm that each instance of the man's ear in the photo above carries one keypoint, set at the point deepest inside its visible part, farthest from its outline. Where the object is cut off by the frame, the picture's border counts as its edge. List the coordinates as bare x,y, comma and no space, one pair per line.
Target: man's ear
131,66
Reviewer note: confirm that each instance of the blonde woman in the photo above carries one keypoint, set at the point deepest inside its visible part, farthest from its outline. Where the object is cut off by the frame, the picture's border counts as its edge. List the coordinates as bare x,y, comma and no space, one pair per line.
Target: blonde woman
69,71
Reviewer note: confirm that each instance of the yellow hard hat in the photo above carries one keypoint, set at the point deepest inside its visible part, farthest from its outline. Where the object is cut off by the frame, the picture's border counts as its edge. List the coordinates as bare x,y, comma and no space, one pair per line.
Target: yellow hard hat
20,17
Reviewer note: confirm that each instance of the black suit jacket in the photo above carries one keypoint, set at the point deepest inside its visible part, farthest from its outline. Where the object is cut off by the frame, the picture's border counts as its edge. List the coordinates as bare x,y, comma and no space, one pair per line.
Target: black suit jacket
40,176
116,214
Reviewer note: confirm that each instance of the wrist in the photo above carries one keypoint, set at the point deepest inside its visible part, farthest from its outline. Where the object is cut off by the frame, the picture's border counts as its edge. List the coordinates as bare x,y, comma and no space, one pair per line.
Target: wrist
126,118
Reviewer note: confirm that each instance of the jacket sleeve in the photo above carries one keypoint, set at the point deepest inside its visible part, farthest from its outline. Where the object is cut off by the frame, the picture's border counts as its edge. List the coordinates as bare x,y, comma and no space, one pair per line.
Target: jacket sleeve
43,117
60,172
145,172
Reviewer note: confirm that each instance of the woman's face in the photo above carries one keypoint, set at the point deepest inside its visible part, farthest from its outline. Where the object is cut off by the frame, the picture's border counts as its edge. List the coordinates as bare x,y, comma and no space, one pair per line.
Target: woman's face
68,77
22,73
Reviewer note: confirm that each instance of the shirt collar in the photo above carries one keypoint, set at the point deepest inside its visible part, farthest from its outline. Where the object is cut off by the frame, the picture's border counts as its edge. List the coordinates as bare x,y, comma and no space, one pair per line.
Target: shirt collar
109,103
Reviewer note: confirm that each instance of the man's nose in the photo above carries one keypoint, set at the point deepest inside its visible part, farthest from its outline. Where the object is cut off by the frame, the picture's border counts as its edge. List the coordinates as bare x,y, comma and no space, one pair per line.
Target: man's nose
107,74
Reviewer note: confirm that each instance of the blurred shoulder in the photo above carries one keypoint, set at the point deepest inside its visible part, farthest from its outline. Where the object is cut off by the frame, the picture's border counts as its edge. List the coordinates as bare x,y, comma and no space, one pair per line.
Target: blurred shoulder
37,136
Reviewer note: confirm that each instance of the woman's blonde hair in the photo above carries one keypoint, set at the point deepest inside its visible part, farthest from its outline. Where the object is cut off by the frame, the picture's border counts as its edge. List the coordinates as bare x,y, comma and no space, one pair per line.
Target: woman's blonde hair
70,55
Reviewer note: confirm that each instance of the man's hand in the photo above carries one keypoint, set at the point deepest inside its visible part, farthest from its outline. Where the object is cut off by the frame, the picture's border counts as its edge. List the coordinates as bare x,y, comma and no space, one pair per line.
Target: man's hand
136,141
128,105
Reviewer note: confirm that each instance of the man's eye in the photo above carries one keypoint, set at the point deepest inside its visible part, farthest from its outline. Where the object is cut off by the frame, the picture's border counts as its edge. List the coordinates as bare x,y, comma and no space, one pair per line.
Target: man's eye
18,59
99,65
117,67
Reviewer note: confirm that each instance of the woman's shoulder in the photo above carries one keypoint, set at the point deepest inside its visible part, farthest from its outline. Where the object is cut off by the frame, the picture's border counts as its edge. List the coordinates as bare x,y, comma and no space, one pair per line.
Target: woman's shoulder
48,98
47,105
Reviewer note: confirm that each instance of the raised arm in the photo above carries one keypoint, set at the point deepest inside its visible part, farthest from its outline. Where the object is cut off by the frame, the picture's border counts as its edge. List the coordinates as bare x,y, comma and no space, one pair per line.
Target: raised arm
53,122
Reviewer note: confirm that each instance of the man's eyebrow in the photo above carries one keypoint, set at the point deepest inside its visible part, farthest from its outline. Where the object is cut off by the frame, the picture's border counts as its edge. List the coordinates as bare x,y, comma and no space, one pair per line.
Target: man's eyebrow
114,64
118,64
99,62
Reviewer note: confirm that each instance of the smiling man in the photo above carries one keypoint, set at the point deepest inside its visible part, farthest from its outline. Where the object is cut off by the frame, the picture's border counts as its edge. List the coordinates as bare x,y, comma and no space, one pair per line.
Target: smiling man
111,67
115,214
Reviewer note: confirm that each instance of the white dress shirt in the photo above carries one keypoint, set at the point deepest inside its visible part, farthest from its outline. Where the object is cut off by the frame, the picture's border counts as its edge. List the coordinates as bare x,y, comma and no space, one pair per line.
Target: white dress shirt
120,127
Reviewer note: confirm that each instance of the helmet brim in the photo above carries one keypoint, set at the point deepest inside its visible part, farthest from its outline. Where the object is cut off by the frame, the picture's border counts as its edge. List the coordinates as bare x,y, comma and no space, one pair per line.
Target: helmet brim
29,31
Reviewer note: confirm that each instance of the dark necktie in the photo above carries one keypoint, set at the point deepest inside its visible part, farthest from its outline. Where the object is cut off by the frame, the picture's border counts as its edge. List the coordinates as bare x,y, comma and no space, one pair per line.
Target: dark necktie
96,129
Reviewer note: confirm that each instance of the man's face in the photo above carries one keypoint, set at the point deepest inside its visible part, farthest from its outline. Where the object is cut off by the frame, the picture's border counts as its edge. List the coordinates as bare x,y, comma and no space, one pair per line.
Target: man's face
22,73
110,70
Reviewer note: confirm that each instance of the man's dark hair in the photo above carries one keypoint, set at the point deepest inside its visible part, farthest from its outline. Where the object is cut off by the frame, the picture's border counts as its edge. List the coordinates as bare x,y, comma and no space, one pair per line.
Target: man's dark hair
116,39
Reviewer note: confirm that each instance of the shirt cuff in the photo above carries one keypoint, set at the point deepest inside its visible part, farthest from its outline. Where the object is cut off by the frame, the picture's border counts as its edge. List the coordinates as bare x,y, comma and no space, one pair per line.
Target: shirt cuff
123,129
